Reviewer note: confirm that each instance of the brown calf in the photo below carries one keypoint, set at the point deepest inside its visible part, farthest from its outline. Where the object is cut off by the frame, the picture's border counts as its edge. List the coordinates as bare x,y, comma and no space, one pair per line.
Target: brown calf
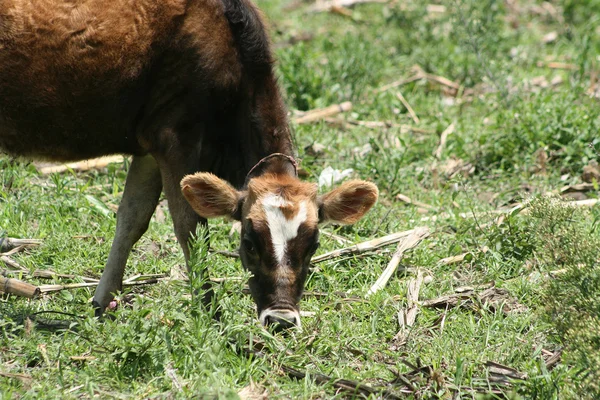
183,86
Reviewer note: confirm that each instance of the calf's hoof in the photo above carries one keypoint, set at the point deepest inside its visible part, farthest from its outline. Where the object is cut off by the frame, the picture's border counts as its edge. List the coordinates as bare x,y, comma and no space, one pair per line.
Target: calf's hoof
100,311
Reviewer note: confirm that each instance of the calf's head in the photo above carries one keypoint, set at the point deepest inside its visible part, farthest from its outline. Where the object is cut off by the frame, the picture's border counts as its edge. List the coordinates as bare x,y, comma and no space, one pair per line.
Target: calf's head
280,216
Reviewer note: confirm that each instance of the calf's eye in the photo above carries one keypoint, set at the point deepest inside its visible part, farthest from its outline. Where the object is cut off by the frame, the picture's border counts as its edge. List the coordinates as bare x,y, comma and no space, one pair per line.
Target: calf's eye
249,246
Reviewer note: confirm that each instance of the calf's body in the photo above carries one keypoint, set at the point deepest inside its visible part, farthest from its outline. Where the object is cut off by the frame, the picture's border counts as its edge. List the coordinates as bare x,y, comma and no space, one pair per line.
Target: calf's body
182,85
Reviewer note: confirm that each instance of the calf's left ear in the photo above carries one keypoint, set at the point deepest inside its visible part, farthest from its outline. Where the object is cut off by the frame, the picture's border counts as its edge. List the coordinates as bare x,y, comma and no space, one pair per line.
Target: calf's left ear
347,203
211,196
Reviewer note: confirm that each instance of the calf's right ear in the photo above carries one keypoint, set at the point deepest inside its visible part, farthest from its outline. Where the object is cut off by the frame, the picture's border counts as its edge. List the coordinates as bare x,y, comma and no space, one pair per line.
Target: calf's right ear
211,196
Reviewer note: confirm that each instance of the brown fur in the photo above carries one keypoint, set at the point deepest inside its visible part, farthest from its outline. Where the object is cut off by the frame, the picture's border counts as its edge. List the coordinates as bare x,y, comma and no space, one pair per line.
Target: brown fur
80,79
182,85
290,188
210,196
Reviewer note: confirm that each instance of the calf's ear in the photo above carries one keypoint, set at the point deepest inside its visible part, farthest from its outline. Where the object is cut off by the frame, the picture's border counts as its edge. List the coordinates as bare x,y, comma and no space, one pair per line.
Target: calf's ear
347,203
211,196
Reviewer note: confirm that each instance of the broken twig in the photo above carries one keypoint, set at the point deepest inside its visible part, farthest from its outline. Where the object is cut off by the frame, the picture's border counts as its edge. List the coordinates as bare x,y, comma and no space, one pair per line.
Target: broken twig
94,163
7,244
410,110
329,5
321,113
443,138
364,246
408,316
11,263
410,242
502,374
417,203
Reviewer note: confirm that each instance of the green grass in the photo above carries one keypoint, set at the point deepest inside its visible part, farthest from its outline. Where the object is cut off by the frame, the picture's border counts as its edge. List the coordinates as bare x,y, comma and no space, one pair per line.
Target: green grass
160,340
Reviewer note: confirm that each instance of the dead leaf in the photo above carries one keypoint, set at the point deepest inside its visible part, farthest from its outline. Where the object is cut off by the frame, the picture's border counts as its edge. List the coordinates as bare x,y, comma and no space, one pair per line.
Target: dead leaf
315,149
253,392
550,37
499,373
362,151
542,160
159,213
581,187
540,81
454,166
591,172
557,80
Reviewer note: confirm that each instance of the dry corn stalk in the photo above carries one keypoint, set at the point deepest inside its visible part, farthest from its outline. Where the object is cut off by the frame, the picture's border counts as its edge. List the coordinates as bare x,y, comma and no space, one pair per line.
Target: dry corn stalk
364,246
18,288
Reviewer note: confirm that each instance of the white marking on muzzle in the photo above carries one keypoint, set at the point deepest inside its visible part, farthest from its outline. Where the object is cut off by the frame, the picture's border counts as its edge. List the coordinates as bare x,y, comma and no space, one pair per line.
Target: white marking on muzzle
288,315
281,228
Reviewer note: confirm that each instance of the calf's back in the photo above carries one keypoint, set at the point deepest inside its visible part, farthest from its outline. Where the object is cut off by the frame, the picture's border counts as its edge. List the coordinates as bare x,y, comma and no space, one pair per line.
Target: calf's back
79,79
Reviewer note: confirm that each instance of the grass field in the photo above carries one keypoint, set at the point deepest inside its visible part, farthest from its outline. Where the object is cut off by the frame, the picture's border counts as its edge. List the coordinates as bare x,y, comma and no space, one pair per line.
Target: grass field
513,84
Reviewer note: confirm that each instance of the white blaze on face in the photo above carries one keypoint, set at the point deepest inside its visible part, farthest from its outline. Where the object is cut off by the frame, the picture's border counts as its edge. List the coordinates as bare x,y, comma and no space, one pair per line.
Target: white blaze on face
281,228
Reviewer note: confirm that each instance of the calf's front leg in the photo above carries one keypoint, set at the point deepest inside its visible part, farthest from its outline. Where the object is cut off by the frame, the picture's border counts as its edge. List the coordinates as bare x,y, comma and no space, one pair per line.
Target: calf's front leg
140,197
185,219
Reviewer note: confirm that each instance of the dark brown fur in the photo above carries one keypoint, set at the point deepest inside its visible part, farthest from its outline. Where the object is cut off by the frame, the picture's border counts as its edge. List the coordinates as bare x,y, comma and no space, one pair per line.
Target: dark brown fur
182,85
80,79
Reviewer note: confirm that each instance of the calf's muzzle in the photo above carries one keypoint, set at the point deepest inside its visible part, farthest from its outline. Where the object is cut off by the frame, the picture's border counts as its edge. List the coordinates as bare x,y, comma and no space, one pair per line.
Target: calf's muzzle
279,319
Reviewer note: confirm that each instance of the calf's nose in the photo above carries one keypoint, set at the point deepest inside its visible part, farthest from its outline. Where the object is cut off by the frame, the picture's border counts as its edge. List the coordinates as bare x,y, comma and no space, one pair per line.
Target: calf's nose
280,320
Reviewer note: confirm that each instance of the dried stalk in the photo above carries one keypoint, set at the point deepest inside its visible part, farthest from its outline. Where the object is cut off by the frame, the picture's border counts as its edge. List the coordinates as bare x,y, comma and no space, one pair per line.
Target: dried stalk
417,203
407,317
414,286
410,242
48,274
364,246
584,203
453,259
443,138
517,208
401,82
494,298
329,5
138,280
499,373
7,244
18,288
558,65
11,263
58,288
321,113
386,124
24,378
581,187
337,238
410,110
94,163
232,254
418,74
